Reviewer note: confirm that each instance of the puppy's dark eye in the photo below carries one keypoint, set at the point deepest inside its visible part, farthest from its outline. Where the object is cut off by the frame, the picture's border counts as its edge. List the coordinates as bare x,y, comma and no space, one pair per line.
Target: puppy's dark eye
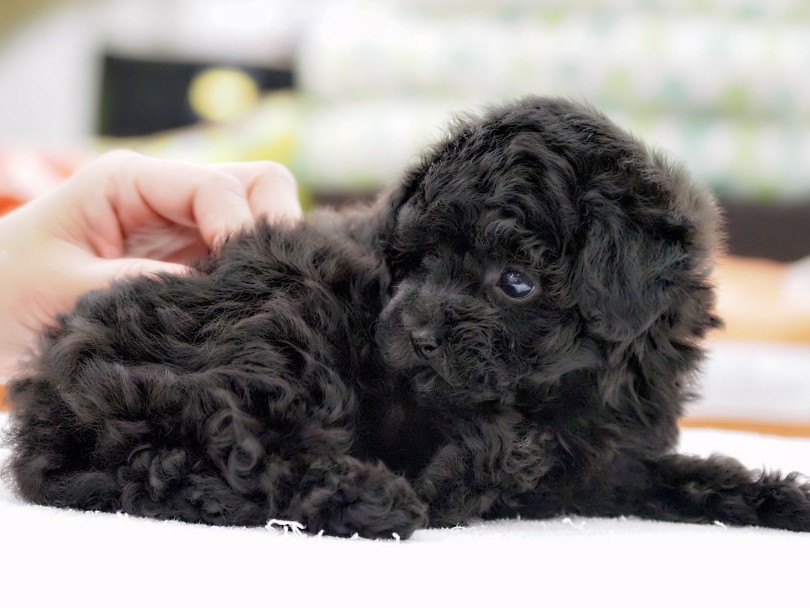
515,284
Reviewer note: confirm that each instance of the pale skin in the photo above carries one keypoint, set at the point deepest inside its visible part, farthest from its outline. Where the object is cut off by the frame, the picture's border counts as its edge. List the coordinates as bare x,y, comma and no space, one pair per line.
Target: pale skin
123,214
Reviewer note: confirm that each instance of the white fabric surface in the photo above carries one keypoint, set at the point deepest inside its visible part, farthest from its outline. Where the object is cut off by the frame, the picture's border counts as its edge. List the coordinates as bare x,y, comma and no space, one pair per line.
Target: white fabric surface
50,557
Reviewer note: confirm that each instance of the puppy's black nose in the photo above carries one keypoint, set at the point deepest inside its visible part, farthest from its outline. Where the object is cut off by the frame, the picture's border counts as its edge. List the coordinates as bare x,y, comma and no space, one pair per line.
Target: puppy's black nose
425,343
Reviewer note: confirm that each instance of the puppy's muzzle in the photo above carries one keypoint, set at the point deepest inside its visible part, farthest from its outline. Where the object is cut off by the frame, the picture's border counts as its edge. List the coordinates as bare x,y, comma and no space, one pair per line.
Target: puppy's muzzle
425,342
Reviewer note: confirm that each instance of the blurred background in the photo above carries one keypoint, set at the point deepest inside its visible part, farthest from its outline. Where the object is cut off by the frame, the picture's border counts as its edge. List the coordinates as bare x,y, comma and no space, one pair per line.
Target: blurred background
346,93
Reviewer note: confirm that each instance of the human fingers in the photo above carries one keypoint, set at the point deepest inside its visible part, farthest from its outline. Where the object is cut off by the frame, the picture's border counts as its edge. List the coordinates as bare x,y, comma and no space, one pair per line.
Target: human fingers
142,191
272,191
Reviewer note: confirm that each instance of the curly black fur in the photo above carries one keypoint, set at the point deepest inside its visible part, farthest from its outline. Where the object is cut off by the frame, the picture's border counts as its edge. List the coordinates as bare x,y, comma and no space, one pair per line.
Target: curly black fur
372,371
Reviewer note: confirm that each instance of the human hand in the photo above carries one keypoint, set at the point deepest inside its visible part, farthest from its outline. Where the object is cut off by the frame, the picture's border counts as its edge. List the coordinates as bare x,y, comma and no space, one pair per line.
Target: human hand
123,214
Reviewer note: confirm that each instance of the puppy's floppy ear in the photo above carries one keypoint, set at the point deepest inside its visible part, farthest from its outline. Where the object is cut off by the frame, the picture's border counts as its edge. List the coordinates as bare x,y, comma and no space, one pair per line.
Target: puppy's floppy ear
404,233
649,238
399,232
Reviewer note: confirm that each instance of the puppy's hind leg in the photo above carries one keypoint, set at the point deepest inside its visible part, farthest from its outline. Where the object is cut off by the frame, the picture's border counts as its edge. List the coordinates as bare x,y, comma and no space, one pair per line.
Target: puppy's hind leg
291,462
715,489
170,483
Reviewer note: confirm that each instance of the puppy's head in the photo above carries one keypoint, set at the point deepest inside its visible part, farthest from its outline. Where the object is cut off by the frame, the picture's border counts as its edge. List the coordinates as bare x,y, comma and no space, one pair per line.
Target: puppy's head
539,241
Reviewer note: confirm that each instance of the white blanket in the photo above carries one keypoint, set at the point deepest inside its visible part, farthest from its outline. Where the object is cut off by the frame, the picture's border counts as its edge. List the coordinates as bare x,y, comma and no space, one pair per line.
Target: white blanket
50,557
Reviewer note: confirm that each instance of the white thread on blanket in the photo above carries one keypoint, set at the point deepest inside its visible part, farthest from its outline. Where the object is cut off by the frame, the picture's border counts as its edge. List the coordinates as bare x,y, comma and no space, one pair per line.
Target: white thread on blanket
285,526
570,522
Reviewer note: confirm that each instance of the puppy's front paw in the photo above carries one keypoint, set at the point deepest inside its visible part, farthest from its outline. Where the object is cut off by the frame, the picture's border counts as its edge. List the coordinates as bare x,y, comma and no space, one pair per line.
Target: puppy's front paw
349,497
454,490
784,502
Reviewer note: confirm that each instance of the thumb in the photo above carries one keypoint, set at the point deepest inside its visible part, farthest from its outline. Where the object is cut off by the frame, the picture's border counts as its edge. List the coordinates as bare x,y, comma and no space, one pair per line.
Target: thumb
114,270
67,287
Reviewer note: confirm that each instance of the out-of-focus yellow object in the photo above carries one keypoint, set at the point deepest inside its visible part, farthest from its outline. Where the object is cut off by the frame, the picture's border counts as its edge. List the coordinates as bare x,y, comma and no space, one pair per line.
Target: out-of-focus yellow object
222,94
755,302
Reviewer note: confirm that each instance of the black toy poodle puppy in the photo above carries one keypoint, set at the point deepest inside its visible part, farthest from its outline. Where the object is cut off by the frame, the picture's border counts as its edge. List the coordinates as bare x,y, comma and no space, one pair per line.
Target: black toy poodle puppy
514,330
